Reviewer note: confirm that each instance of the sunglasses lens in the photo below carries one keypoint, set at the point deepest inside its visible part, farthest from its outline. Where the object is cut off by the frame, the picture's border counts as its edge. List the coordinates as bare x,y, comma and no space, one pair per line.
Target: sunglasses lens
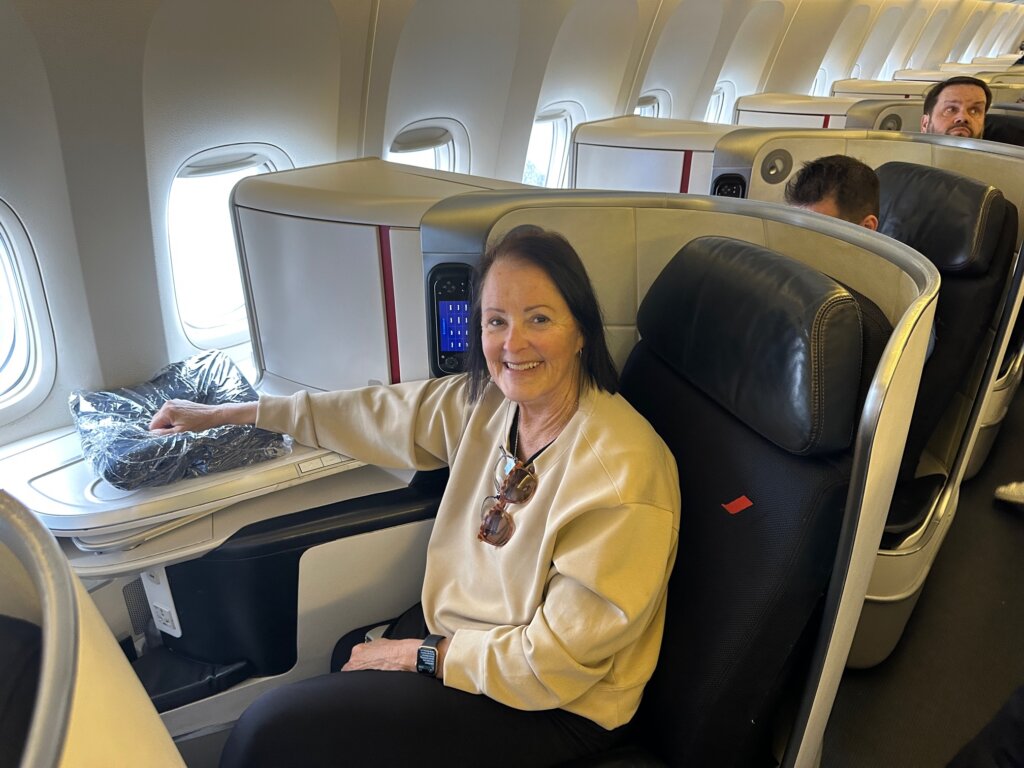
513,484
504,465
520,485
512,480
496,526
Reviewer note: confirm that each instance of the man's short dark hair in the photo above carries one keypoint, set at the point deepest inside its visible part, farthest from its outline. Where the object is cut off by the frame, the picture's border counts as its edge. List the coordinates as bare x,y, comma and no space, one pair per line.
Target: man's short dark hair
933,94
852,184
552,253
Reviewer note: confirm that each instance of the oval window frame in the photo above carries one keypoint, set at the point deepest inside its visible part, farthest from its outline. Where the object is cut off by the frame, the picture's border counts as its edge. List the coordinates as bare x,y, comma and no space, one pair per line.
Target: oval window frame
435,133
212,161
40,371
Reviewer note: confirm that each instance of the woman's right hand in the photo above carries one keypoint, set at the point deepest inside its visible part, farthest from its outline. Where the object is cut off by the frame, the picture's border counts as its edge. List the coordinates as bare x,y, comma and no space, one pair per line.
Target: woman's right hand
177,416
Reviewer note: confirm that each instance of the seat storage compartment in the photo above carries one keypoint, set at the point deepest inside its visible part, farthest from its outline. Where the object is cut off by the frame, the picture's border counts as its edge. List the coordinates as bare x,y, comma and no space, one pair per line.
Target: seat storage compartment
238,605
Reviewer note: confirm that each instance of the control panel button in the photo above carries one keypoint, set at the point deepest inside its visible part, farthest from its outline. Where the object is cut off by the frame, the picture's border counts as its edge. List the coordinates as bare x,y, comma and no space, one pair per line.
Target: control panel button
311,465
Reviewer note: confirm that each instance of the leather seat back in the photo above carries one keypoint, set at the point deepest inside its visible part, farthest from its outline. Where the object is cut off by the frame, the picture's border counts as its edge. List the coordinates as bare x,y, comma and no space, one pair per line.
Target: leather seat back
752,368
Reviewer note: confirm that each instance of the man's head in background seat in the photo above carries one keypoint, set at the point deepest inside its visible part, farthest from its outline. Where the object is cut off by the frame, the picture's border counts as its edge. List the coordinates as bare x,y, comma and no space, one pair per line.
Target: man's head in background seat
957,107
837,186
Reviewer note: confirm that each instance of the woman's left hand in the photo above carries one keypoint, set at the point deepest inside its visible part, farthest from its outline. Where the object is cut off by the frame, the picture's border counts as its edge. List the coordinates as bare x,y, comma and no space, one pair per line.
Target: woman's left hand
392,655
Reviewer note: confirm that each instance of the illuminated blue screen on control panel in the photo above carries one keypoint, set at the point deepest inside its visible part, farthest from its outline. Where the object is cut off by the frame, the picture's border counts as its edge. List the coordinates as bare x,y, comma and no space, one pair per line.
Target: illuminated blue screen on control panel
453,325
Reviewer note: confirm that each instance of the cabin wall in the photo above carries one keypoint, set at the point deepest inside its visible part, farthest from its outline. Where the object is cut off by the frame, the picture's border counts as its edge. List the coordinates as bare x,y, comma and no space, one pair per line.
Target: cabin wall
93,55
794,67
278,84
681,54
927,52
533,51
33,185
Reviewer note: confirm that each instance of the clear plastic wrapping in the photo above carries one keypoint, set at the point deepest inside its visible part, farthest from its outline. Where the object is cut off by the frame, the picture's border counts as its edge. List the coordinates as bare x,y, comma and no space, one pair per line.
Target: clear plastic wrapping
114,426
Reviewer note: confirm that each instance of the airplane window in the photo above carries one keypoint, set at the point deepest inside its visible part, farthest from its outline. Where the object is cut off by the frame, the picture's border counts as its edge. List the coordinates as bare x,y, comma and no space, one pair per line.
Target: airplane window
207,282
820,85
427,147
716,105
435,158
548,149
27,361
15,344
647,106
441,144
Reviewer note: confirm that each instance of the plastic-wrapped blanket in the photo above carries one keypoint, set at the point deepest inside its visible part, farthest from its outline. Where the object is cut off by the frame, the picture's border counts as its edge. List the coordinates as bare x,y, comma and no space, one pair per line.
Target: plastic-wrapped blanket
114,426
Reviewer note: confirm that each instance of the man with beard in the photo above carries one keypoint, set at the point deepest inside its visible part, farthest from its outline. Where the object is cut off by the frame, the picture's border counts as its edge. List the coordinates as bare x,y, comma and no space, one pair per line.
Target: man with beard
957,107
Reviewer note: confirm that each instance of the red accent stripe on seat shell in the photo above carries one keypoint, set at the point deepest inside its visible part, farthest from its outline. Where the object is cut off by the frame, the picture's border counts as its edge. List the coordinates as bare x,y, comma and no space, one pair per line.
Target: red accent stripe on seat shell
387,276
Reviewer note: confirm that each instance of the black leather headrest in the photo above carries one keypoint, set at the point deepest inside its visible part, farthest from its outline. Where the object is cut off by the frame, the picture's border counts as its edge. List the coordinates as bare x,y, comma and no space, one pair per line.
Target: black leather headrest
953,220
1006,129
772,340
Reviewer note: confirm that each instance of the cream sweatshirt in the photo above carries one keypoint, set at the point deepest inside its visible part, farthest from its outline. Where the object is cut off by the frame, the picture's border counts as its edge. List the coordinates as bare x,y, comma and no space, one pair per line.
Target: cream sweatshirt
569,613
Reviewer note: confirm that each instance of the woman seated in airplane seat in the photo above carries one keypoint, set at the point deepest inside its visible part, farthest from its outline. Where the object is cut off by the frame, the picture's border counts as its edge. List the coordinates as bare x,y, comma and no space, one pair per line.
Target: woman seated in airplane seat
543,602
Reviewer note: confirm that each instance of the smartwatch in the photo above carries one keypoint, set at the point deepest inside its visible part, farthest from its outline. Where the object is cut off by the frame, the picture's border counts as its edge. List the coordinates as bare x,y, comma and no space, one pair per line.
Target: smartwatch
426,655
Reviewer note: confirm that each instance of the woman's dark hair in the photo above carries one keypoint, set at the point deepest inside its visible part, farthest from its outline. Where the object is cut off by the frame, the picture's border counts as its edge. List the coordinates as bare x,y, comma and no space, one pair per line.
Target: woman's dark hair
552,253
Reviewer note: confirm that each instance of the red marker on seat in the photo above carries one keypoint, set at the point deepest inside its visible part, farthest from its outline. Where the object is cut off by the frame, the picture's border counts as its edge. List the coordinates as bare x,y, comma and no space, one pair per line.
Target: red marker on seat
738,505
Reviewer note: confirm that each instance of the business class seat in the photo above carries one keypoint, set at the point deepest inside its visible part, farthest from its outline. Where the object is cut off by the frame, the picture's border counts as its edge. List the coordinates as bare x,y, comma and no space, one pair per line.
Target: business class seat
625,241
278,593
835,112
968,230
757,163
1005,125
20,648
753,368
67,695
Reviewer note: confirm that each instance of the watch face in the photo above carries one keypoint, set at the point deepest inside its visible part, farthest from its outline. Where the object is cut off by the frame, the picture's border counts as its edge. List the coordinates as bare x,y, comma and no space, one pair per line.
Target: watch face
426,660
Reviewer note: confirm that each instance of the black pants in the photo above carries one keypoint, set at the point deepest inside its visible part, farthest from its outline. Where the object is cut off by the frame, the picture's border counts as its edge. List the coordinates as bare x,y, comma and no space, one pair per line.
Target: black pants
401,718
1000,744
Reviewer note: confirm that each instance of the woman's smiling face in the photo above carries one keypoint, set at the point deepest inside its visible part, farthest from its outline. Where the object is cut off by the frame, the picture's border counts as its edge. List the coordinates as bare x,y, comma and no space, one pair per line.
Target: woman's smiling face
530,338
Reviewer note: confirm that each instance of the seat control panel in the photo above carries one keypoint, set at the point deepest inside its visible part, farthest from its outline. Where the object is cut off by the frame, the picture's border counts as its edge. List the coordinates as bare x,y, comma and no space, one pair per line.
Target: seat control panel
449,290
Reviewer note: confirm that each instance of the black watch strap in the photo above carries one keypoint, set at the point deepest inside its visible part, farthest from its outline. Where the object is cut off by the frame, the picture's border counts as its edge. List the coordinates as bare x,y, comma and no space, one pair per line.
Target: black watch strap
426,655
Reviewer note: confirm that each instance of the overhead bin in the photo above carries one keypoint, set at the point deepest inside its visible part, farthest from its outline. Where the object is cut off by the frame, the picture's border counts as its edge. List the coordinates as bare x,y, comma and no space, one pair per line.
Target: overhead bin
333,280
761,161
650,154
625,240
